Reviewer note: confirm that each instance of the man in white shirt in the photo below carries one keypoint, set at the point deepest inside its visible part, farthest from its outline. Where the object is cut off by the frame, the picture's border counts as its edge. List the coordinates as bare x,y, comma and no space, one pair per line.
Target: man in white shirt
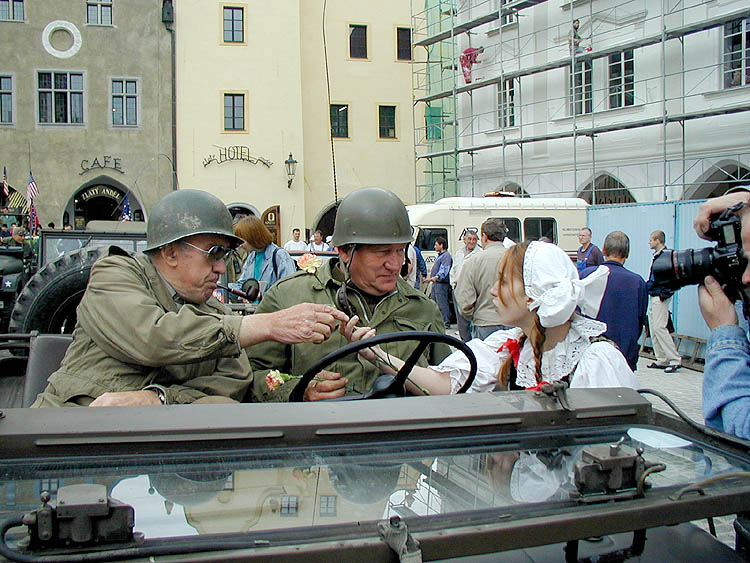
317,244
470,246
295,244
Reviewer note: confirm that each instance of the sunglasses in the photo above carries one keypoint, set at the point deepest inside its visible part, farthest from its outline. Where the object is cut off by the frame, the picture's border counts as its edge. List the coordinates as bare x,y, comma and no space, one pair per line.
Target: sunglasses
214,254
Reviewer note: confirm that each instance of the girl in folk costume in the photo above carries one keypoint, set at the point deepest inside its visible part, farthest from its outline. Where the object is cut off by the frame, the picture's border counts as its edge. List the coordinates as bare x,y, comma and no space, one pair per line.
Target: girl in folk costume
539,292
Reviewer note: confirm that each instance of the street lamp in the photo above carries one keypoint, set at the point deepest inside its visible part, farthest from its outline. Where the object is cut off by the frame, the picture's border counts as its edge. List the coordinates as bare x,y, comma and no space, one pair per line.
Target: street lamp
291,169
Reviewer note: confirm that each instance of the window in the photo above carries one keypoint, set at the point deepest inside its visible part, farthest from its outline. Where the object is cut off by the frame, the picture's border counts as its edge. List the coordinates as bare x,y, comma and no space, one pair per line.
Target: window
387,122
426,238
514,227
580,88
358,41
621,83
535,228
234,25
288,506
60,97
49,485
339,120
327,505
6,99
234,112
433,117
11,10
124,102
506,104
403,42
737,53
99,12
508,17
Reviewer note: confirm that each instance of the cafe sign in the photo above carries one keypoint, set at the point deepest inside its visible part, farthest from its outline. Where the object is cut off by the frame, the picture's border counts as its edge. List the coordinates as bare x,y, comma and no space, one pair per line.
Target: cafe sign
235,153
105,161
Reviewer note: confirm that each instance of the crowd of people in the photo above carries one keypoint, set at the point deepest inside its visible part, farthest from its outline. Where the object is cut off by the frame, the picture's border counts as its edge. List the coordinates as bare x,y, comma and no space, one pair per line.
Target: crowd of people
149,330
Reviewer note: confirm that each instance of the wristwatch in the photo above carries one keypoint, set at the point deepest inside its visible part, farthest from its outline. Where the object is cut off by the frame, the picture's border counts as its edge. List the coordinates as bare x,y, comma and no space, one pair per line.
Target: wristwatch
160,391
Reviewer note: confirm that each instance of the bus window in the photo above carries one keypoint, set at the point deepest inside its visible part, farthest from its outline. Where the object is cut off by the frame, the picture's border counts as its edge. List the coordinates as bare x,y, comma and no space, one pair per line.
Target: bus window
514,227
538,227
426,238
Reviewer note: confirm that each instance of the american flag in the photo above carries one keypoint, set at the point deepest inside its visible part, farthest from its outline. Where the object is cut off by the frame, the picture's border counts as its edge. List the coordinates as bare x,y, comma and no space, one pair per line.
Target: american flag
5,182
33,218
127,215
32,191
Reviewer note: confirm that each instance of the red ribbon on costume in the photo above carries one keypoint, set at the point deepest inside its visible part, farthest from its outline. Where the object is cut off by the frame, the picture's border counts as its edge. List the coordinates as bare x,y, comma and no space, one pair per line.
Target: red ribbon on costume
513,348
538,387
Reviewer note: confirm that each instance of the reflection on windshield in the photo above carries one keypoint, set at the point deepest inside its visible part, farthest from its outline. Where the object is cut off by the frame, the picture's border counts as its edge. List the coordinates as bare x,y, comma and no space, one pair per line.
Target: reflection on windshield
303,488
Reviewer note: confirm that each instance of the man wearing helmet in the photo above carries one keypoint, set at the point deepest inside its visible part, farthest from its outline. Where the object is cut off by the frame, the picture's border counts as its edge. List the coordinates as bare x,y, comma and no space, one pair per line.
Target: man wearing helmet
370,235
149,331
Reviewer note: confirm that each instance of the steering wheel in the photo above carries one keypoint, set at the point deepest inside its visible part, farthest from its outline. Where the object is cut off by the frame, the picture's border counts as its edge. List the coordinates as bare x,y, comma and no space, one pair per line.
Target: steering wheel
387,385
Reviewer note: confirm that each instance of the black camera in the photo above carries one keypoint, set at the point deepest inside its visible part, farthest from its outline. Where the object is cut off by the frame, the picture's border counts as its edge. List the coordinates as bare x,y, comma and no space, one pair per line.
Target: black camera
725,262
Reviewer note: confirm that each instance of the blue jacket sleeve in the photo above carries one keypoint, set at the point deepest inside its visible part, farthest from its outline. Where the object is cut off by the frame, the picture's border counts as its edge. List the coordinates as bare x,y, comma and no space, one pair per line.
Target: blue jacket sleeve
726,381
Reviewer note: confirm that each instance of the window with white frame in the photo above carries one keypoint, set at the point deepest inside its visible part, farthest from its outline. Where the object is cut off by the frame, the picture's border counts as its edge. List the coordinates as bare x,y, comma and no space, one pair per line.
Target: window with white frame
621,79
99,12
737,53
508,17
125,102
6,99
289,505
328,505
580,88
234,112
387,122
60,97
506,108
11,10
339,120
234,24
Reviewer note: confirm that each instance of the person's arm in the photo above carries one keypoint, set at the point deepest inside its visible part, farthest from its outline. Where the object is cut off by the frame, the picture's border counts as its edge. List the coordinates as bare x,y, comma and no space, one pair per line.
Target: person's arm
285,263
465,293
726,379
420,380
444,270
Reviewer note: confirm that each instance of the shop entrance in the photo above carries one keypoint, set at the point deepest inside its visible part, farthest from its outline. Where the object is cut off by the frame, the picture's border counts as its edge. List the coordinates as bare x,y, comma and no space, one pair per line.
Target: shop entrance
101,201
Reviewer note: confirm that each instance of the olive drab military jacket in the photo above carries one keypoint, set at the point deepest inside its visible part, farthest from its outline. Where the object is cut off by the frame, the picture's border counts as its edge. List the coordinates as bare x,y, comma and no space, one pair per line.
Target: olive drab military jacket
131,333
404,309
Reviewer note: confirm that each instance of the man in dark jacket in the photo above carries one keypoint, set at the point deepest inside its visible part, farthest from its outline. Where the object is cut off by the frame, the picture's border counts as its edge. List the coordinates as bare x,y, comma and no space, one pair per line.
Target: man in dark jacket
667,357
625,300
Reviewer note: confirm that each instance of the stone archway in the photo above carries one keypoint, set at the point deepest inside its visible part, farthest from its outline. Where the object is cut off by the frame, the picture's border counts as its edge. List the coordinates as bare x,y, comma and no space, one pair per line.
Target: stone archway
715,181
325,220
101,199
606,189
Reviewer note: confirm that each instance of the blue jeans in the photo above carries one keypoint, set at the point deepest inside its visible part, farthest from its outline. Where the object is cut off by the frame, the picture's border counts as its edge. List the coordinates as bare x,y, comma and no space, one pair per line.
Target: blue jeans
441,296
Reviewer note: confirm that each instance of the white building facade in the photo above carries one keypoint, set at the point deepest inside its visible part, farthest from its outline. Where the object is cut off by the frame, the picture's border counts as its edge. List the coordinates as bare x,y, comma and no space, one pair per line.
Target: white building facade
644,102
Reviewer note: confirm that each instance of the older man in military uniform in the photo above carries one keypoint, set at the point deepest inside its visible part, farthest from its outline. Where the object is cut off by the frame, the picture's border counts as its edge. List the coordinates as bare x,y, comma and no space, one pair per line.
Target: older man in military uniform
370,235
149,331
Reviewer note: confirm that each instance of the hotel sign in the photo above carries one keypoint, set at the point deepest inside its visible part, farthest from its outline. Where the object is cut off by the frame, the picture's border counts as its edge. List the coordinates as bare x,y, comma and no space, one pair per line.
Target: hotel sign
235,152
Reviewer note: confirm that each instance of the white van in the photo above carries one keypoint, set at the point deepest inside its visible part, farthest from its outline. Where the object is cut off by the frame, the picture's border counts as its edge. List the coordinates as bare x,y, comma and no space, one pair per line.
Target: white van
558,219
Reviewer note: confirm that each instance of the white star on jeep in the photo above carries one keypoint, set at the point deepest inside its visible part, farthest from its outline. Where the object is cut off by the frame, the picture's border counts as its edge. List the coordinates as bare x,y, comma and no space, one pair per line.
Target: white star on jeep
8,283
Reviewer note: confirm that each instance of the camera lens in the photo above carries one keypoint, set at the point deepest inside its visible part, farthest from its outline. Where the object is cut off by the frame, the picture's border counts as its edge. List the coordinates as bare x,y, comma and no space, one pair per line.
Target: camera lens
679,268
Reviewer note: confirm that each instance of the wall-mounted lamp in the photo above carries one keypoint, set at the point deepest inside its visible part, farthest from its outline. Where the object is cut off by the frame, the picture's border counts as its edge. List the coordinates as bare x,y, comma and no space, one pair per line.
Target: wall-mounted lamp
291,169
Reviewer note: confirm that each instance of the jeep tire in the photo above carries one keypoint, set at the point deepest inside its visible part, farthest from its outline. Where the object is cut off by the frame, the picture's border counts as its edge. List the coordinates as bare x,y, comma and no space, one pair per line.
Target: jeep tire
49,300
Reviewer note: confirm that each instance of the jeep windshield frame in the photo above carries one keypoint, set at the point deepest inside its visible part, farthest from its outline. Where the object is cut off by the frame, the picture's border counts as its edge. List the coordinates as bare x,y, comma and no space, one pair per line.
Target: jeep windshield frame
287,448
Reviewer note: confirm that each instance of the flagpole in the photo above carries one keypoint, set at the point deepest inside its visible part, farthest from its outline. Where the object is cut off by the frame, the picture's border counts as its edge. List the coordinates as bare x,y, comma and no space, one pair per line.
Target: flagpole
29,156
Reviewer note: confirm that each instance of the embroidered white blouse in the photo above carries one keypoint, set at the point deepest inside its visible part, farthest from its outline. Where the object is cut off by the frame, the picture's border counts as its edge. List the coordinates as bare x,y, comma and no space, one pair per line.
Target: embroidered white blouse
597,364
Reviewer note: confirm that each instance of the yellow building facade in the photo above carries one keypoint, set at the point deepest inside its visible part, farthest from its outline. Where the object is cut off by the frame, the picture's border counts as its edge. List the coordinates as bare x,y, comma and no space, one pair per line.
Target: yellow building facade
253,92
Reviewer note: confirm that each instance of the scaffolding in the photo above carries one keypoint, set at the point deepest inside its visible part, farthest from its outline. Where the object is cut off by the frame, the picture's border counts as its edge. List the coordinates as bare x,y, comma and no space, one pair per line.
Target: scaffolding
534,97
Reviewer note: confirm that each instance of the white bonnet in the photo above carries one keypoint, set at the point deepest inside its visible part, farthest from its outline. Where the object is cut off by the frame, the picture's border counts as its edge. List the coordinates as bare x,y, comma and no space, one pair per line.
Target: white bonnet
550,279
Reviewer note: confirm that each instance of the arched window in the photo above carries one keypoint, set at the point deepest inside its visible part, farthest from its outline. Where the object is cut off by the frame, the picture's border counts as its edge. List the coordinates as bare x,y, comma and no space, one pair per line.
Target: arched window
606,189
720,178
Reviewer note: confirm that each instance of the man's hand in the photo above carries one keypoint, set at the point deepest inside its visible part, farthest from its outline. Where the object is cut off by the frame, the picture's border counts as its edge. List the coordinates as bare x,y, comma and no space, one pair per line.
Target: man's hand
713,206
126,399
716,307
353,334
326,385
306,322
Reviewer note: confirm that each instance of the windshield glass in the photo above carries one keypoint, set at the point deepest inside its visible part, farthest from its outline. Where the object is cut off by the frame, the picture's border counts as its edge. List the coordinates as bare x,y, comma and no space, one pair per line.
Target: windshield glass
242,491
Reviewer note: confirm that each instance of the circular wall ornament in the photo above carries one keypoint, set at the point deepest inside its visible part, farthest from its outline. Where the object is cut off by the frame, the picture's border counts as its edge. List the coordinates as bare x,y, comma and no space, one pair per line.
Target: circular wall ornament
58,25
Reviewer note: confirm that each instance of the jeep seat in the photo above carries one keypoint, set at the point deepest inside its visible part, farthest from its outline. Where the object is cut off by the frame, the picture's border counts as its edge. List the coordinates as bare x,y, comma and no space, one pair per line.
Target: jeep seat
46,352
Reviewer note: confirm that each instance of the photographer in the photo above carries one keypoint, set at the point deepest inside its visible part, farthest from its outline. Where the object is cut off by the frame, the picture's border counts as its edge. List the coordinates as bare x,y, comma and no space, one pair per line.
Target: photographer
726,382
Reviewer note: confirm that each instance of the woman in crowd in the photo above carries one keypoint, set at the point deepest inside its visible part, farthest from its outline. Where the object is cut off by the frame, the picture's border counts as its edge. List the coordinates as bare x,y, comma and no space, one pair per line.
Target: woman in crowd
265,261
539,292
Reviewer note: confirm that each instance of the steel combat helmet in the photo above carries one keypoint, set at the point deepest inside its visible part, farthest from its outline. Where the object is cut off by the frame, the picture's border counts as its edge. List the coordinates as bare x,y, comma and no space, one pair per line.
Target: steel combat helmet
184,213
371,216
